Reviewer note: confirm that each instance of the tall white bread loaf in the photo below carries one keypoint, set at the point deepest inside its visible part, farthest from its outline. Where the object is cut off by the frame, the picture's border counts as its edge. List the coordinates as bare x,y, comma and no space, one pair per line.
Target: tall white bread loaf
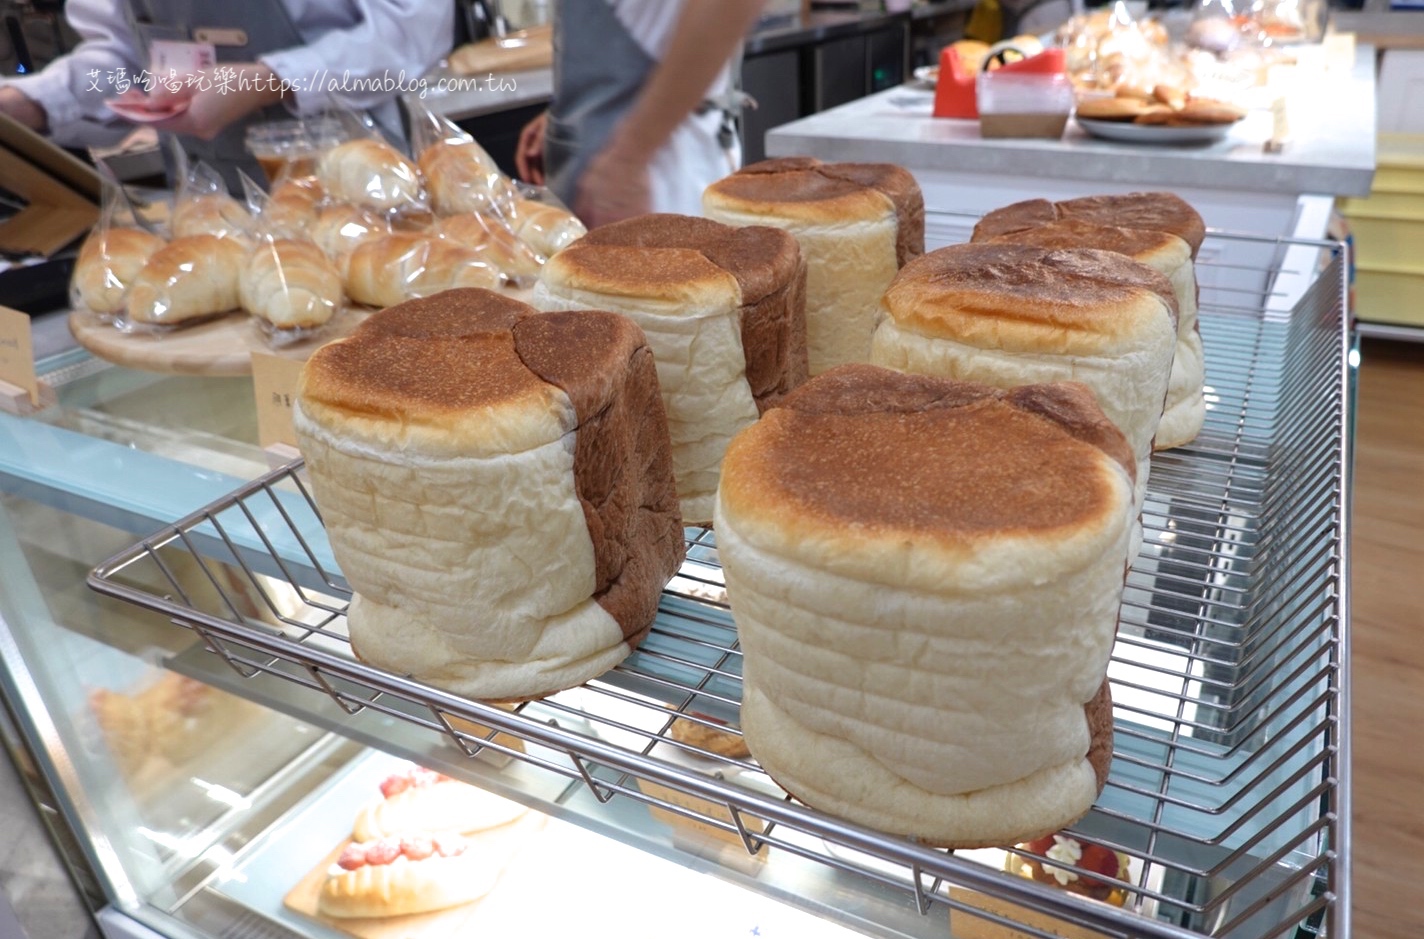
497,489
931,667
1143,226
186,279
108,263
857,224
723,312
1010,314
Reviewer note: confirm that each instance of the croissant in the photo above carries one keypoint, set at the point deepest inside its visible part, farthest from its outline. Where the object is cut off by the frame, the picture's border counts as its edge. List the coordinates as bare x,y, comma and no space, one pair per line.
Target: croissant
188,278
341,229
213,214
370,173
292,209
403,266
108,262
461,177
494,242
546,229
290,284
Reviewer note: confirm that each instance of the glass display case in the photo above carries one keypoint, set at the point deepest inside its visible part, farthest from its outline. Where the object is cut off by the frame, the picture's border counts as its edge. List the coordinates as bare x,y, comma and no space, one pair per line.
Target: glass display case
208,735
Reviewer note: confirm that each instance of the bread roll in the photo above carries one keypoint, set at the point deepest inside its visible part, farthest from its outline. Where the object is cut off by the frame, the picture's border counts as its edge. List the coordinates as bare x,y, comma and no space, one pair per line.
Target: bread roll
290,284
461,177
108,262
1010,314
495,243
723,310
187,279
857,224
471,454
369,173
929,667
398,267
341,229
545,228
214,214
425,873
1109,223
421,800
292,209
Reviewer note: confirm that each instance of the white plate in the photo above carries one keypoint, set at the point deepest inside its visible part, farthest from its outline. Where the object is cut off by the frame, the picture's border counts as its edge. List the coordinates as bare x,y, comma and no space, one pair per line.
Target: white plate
1154,133
929,74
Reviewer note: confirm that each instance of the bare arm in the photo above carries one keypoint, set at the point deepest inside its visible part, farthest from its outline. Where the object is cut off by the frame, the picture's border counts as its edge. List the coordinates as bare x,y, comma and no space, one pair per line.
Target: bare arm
615,186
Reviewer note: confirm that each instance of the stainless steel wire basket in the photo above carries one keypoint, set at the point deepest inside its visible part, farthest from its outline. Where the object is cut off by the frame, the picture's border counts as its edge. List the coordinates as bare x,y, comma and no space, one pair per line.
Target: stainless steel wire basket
1228,791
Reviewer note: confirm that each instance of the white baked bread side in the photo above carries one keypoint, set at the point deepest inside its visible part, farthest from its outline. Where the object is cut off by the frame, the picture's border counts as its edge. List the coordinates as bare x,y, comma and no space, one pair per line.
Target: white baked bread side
1186,407
689,310
929,667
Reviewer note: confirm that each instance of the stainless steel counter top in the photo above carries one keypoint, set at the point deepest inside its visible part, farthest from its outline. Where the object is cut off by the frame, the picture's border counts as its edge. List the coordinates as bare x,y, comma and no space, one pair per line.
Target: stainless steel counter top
1331,148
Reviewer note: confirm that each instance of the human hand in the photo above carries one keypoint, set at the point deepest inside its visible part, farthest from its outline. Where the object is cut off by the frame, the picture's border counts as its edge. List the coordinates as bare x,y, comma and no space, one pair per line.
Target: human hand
20,106
529,155
615,186
213,105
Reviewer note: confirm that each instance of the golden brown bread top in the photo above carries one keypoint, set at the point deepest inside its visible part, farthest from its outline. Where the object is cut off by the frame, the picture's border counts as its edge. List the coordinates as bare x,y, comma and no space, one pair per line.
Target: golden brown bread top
877,451
761,258
1158,249
425,361
1021,298
677,275
805,189
1153,211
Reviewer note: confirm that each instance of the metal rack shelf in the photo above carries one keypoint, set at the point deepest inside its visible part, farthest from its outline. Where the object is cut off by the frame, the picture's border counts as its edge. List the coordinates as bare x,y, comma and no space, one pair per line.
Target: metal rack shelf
1227,793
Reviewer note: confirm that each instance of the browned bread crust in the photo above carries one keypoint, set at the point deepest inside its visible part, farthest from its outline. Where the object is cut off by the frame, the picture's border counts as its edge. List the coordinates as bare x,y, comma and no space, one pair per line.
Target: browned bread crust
1154,211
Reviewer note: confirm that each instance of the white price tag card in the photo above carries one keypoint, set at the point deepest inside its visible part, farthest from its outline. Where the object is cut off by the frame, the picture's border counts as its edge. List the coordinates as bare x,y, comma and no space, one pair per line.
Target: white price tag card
274,381
17,354
168,58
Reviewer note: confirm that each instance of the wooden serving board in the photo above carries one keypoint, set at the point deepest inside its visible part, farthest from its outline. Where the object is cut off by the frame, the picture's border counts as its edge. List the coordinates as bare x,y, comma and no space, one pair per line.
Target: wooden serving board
479,918
524,50
220,348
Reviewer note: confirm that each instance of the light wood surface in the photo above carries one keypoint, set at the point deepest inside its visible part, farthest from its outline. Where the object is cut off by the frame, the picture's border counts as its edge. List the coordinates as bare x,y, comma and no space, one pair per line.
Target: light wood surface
1388,644
521,51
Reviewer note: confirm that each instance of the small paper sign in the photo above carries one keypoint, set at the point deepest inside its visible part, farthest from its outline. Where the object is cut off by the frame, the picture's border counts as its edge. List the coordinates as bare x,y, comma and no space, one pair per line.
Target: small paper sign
180,59
17,353
274,381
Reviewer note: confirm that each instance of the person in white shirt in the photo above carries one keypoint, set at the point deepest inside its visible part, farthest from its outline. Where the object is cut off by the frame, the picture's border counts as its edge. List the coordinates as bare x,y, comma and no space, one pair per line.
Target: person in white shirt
640,116
296,56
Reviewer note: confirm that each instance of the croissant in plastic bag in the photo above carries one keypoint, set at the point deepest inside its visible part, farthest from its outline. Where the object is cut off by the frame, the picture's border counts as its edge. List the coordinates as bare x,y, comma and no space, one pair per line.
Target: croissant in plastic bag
370,172
548,229
290,286
291,210
341,229
459,174
402,266
189,278
496,243
203,207
111,256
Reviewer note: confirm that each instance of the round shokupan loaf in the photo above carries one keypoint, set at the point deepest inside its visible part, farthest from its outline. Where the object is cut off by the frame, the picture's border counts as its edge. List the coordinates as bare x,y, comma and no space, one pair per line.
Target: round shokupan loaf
723,309
1008,314
497,487
1185,409
929,666
1145,211
857,223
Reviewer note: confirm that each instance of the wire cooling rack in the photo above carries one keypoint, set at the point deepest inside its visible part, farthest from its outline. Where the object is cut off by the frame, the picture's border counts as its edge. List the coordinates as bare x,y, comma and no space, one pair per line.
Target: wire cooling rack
1227,796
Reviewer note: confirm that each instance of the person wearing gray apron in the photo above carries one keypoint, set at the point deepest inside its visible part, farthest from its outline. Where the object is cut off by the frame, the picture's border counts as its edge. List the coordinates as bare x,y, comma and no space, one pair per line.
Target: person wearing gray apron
601,70
249,29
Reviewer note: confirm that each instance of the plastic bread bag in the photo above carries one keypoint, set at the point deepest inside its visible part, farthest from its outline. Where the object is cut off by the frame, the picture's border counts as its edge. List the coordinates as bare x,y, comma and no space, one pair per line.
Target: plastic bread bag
188,281
340,228
288,285
542,222
113,253
402,266
459,174
495,242
288,150
369,172
202,206
290,210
